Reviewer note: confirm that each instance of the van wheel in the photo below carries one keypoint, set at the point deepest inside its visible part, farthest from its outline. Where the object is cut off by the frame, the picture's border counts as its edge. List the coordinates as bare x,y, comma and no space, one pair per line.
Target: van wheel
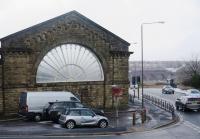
37,118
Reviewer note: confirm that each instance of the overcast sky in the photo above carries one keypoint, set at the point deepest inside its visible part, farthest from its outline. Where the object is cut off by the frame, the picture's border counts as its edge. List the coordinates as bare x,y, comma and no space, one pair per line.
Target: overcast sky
177,39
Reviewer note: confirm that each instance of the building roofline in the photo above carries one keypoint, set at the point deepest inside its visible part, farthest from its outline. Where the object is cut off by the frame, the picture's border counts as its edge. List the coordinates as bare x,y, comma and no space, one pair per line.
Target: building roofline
63,15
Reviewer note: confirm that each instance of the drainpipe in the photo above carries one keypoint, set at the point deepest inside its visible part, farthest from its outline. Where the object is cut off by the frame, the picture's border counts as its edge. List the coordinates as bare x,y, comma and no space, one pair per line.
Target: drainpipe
2,82
113,74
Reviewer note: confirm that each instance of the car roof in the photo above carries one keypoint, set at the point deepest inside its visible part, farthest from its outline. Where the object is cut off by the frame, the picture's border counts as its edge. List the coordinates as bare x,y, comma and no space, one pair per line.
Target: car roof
80,109
62,102
193,90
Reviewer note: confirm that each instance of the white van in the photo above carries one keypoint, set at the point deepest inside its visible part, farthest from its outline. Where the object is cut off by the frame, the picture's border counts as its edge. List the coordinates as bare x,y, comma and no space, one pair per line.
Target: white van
31,104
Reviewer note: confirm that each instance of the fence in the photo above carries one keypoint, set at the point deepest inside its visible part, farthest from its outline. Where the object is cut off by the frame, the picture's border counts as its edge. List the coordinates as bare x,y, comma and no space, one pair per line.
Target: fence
163,104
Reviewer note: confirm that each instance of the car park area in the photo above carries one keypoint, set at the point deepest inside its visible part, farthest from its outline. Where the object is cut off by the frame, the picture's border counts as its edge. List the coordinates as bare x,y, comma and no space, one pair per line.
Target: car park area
29,127
120,125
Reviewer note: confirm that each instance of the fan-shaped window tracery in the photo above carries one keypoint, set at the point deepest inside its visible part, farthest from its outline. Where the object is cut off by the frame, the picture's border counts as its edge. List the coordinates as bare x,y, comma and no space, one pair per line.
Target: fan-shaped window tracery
69,63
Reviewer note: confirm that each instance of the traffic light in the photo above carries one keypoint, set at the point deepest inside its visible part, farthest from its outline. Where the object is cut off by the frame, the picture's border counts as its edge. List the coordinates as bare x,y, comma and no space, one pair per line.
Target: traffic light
133,80
138,79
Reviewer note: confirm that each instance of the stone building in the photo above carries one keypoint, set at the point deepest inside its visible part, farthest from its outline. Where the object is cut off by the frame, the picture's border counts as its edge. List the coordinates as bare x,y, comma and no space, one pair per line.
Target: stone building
69,52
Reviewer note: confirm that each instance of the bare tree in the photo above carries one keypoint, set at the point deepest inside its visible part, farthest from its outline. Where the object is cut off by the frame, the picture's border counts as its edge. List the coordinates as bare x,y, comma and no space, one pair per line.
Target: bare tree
192,67
189,74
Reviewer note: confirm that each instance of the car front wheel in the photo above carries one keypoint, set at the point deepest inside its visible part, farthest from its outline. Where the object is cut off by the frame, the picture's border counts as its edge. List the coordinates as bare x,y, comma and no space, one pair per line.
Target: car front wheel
70,124
103,124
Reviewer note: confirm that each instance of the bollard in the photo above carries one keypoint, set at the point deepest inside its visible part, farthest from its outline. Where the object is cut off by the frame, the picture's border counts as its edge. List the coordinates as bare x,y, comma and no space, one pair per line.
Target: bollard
143,115
134,118
173,113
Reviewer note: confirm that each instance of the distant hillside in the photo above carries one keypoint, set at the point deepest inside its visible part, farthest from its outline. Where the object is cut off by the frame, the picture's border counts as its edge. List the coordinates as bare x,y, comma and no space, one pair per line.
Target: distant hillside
155,70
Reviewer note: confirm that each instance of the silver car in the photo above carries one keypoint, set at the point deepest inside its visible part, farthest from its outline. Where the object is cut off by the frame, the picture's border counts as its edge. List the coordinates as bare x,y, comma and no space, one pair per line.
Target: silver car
82,117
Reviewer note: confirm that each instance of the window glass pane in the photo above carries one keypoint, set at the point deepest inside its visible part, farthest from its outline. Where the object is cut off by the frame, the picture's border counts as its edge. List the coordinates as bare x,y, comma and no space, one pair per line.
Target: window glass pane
69,63
86,113
74,113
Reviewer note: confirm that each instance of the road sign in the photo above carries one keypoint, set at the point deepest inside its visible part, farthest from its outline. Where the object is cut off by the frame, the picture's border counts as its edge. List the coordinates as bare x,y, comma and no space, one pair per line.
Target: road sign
117,91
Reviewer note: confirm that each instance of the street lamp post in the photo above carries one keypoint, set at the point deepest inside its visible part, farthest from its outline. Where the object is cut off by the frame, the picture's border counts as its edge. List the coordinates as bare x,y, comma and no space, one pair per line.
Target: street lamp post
142,78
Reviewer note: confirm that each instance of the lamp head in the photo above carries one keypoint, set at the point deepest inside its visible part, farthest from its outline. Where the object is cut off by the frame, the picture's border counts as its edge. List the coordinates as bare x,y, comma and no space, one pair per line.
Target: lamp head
161,22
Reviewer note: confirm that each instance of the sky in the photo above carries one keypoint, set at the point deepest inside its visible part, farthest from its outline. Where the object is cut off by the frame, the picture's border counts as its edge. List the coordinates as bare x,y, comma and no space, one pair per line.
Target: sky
177,39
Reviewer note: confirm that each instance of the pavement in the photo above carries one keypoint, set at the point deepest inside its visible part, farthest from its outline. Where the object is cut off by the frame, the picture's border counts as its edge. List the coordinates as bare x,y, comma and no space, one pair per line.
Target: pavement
122,124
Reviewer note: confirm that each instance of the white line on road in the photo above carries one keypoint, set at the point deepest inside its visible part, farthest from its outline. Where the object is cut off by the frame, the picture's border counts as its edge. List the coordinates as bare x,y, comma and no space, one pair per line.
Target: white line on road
45,122
57,126
191,125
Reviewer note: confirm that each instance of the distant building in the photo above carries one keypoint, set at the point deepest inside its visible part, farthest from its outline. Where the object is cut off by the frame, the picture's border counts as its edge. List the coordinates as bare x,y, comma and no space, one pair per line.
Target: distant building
69,52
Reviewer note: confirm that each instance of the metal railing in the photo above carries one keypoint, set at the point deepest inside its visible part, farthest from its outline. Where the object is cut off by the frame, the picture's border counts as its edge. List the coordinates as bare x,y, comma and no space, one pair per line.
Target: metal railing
163,104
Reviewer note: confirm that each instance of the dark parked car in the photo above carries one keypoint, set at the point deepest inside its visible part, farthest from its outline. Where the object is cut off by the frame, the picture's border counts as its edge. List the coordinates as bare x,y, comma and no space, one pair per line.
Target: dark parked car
168,90
55,109
46,111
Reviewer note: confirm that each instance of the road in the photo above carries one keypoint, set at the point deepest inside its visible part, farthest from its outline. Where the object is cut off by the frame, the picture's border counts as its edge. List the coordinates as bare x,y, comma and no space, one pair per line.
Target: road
190,117
179,131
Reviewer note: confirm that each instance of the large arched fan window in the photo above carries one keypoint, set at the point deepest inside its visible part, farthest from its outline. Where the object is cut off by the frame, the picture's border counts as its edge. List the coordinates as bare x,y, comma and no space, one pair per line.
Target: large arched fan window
69,63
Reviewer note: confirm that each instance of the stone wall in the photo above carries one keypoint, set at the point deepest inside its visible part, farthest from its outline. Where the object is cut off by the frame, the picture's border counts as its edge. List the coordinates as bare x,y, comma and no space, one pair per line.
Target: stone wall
95,94
1,95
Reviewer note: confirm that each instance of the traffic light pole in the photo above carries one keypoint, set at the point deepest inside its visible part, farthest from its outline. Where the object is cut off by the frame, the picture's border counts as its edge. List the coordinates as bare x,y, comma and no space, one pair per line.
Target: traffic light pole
138,90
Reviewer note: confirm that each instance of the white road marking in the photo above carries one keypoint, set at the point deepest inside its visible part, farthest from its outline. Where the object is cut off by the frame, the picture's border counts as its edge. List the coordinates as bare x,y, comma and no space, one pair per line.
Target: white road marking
51,123
57,125
45,122
191,125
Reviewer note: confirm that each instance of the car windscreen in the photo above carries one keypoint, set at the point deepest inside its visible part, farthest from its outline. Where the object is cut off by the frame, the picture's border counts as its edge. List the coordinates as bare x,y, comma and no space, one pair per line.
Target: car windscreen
195,92
76,105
